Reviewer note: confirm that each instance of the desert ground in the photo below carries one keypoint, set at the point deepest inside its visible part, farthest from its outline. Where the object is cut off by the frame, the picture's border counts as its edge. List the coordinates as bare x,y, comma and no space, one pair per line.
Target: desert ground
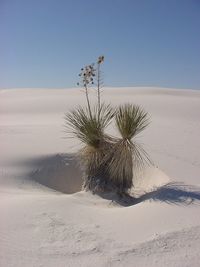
45,218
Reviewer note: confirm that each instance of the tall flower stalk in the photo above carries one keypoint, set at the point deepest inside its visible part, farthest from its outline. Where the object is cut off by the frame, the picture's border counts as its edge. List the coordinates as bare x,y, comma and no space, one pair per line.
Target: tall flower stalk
99,82
87,73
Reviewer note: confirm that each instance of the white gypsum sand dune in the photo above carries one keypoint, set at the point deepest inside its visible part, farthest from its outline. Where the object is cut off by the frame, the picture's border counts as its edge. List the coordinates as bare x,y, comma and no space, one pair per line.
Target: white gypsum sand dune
41,226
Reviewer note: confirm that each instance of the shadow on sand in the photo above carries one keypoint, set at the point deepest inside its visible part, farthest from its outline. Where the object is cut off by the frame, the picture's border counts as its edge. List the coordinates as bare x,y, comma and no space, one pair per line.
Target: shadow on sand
171,193
62,173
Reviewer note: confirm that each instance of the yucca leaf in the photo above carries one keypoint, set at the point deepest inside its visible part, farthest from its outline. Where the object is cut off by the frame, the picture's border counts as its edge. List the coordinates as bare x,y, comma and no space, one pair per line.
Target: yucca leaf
89,128
131,120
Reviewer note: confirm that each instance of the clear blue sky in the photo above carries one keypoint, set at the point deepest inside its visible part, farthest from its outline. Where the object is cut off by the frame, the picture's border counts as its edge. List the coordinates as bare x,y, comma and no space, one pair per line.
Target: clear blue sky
44,43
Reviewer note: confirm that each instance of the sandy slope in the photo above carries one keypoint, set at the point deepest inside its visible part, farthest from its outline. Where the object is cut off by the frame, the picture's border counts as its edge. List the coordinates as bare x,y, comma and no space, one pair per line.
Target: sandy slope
43,227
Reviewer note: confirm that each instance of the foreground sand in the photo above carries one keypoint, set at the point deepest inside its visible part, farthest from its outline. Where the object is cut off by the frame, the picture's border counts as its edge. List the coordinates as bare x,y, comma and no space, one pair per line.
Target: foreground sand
43,227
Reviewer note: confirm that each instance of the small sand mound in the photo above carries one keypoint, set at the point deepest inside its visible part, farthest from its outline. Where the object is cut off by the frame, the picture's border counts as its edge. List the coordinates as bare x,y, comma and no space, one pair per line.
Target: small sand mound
149,179
60,172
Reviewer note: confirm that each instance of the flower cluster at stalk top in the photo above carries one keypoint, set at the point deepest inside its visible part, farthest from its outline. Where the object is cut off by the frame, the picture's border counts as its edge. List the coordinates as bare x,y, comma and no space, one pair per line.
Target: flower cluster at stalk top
100,59
87,75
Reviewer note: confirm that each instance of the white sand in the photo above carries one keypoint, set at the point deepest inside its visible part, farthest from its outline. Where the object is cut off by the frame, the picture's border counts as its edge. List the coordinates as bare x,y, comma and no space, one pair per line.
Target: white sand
43,227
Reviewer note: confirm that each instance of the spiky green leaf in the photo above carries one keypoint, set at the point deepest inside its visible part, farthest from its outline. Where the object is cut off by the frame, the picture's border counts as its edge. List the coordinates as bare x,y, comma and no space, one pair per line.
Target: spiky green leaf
131,120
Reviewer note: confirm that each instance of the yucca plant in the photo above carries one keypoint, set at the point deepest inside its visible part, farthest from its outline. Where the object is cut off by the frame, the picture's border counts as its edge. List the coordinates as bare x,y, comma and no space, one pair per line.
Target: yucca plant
109,163
127,156
89,126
